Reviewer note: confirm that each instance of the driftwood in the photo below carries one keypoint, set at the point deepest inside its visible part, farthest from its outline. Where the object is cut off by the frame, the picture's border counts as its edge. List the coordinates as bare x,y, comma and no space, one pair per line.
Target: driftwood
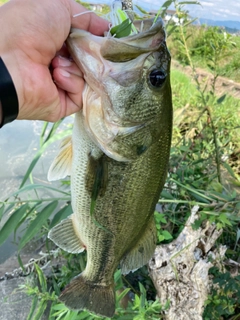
179,270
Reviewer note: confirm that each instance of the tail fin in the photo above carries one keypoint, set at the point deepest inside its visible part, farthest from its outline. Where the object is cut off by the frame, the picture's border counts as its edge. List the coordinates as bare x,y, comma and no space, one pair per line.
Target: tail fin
83,294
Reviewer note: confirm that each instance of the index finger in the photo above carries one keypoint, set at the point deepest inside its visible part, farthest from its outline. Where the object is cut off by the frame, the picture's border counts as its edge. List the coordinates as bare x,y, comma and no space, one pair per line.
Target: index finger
89,21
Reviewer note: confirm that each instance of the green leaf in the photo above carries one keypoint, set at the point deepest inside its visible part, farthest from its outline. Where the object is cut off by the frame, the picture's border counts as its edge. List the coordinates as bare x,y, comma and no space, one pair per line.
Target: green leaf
20,262
55,286
160,238
44,129
37,186
12,222
2,211
122,30
37,224
122,295
117,275
223,218
21,221
166,195
159,217
33,307
53,129
229,169
41,278
190,22
170,31
143,295
38,155
167,3
221,99
197,224
198,197
167,235
157,15
189,2
59,307
61,215
41,308
141,9
72,315
84,315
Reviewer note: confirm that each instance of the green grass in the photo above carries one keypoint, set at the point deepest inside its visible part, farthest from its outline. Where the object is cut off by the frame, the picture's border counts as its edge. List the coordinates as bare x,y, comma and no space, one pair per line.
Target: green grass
183,89
201,41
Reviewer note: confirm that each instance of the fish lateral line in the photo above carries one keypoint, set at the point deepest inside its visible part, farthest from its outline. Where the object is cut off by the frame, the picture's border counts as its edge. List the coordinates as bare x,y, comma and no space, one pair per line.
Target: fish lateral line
99,187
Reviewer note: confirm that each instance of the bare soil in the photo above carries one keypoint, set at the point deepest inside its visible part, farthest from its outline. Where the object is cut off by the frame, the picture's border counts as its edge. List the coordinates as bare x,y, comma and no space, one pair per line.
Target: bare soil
223,85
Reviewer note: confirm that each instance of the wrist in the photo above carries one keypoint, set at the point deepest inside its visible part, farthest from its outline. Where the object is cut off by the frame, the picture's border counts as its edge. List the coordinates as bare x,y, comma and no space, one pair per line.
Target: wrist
8,96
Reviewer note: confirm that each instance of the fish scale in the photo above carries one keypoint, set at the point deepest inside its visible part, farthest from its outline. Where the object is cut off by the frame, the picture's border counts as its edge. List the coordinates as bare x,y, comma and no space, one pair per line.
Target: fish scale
117,169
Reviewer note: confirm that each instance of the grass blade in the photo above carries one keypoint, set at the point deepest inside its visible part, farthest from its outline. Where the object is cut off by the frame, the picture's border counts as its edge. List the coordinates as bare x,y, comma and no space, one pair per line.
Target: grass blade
53,129
31,187
21,221
37,223
41,278
20,262
59,136
2,211
44,129
33,308
12,222
41,308
61,215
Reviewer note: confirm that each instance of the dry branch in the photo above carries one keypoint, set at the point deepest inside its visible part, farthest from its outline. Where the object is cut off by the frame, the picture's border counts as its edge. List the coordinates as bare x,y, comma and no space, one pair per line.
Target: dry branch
179,270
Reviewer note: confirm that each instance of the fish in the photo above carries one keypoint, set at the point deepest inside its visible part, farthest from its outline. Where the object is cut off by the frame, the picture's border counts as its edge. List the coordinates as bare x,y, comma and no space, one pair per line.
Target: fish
117,158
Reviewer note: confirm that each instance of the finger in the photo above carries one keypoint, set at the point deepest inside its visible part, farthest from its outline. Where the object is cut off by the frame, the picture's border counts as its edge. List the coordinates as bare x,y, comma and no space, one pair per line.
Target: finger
89,21
68,106
72,84
66,64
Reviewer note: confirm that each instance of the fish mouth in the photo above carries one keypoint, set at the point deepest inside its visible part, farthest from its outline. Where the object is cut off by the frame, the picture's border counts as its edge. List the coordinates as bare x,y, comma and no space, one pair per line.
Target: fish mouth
109,64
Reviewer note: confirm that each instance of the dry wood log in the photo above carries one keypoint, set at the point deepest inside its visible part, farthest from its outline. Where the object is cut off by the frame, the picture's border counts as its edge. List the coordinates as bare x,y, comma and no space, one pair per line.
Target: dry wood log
179,270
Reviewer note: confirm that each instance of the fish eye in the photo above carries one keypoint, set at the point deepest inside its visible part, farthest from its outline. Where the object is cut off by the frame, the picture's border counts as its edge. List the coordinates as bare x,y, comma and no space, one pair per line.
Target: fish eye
157,78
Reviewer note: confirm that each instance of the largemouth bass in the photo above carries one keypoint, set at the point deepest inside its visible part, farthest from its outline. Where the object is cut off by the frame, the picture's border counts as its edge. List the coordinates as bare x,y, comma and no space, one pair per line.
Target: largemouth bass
117,157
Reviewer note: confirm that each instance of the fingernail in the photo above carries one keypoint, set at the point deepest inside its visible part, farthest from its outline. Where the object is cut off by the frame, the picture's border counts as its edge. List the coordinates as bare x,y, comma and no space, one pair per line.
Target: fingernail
64,73
64,62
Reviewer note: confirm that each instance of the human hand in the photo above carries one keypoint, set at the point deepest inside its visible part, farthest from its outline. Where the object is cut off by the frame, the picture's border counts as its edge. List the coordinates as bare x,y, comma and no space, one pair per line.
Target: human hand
32,33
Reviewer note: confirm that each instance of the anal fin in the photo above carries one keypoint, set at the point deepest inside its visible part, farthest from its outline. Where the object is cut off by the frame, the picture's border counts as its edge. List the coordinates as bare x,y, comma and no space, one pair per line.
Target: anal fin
142,251
64,235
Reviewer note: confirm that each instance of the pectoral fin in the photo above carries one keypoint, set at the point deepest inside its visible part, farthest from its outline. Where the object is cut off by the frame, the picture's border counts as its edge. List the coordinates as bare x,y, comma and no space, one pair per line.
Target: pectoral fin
61,166
64,235
142,251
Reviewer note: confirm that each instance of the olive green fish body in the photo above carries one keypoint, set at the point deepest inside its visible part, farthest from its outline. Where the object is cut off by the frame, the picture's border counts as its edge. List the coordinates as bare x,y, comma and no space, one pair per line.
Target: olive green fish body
118,160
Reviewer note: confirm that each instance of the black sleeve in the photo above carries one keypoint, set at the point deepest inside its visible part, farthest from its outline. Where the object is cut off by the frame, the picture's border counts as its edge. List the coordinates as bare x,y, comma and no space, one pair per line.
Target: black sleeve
8,96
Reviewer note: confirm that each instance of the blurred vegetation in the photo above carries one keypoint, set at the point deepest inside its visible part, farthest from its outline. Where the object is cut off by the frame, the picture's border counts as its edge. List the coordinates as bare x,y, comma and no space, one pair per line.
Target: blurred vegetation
204,169
211,48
